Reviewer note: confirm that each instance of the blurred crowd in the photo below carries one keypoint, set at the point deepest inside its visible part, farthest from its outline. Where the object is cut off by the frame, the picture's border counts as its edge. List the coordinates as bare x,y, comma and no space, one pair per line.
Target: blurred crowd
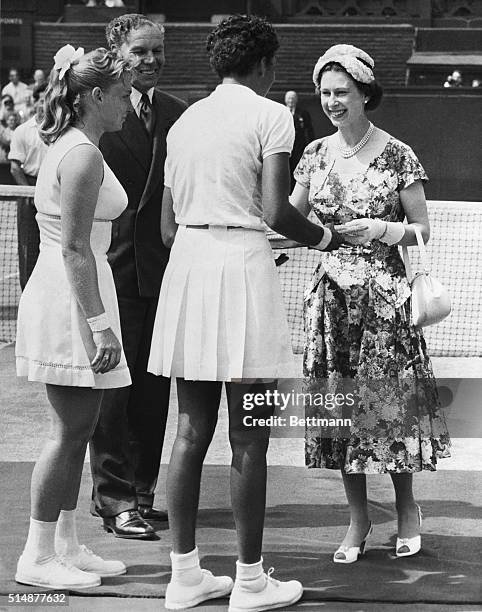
18,104
456,80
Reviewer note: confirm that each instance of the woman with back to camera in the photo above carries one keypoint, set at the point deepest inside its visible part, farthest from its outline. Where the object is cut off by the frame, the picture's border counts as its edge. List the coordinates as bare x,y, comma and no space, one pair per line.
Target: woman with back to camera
357,308
220,316
68,334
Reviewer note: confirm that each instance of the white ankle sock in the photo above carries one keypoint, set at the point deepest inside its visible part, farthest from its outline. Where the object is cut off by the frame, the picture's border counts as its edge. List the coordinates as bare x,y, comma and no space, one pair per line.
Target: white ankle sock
66,541
40,540
185,568
251,575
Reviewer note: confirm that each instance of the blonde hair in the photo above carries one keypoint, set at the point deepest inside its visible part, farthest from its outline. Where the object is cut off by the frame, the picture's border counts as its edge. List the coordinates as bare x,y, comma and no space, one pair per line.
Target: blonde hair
63,103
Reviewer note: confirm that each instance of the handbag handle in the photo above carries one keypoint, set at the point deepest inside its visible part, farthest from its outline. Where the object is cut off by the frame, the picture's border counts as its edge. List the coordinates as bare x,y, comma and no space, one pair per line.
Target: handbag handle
423,256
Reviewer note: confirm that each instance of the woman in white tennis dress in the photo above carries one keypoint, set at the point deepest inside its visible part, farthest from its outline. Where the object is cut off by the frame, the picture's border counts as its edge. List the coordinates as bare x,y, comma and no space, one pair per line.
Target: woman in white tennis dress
68,322
220,316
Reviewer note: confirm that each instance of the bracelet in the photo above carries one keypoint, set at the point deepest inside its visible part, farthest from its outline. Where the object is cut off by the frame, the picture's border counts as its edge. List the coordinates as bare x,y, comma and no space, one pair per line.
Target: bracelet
384,231
325,241
98,323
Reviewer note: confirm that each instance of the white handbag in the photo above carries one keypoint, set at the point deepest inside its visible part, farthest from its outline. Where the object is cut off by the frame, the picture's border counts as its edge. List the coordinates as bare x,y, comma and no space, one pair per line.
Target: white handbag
430,302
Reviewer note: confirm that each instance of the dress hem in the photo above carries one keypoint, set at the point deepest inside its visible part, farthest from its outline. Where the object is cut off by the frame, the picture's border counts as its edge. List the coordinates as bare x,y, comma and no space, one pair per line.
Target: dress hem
71,376
284,371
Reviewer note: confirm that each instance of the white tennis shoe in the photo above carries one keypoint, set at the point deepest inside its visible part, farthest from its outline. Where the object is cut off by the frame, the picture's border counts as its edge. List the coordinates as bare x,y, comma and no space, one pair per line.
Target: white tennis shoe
54,573
88,561
180,597
270,595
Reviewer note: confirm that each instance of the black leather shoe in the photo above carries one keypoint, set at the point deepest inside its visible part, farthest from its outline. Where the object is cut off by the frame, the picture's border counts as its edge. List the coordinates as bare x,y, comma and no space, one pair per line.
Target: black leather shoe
129,524
151,514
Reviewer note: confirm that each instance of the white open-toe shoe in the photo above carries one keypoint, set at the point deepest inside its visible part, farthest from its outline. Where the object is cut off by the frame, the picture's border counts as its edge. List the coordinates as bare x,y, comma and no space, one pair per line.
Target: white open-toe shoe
406,547
350,554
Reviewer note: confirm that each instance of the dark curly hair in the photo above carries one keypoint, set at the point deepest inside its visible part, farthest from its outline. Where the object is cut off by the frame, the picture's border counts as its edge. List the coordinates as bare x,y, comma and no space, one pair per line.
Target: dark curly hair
373,90
117,30
239,42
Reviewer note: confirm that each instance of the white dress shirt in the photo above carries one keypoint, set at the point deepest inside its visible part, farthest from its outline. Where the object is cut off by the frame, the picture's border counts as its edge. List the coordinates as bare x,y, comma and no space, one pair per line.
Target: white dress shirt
20,93
136,96
27,148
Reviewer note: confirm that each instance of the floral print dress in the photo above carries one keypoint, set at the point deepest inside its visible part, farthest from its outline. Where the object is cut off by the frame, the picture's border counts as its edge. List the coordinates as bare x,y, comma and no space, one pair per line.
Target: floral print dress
358,329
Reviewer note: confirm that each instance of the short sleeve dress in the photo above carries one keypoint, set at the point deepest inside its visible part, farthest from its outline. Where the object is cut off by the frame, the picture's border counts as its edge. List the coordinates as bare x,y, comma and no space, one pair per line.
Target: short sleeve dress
357,325
54,340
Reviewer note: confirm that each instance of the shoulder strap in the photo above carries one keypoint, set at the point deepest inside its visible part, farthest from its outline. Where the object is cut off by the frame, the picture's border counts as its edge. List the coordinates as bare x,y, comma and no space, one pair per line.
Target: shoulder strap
423,256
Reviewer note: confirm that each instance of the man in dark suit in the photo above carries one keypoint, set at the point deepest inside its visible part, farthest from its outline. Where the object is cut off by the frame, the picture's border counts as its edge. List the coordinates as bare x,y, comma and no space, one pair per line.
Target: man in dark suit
127,443
303,130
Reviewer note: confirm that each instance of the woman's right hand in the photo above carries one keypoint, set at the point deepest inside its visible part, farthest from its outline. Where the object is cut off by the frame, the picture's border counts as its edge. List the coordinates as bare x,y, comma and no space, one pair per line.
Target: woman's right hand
108,353
362,230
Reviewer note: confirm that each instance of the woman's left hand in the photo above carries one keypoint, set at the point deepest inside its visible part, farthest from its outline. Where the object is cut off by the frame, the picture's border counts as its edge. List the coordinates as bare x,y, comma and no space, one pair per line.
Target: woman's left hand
108,351
361,231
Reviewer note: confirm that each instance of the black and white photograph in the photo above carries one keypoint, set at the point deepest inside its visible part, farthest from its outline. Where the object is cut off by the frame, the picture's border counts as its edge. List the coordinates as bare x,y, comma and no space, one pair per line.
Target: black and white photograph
240,305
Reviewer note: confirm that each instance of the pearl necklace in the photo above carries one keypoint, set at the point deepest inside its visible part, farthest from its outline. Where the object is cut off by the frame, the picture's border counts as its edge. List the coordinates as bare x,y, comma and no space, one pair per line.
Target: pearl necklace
346,153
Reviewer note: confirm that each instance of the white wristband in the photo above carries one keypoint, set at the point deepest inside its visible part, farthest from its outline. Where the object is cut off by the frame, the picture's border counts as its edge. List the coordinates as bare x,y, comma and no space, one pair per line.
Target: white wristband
325,241
99,323
393,233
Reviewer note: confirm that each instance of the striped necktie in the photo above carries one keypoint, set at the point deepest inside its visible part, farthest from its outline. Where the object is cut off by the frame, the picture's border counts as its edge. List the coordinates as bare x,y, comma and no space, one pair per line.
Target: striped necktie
146,114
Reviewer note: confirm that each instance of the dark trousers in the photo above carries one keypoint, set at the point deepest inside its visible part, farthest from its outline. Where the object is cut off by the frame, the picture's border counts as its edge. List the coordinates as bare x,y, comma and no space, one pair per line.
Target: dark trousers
125,451
28,237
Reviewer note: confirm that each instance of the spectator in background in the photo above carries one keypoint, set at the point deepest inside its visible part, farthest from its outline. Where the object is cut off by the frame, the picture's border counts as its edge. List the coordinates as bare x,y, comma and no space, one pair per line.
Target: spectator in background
18,90
6,133
27,151
38,83
454,79
303,130
38,79
7,108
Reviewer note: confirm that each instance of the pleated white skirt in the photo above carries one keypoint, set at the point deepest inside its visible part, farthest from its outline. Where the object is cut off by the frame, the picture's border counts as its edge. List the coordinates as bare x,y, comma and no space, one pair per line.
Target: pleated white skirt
220,314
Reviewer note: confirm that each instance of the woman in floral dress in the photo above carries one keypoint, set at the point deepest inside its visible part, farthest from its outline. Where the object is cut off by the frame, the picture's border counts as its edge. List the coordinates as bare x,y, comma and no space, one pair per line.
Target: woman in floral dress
357,307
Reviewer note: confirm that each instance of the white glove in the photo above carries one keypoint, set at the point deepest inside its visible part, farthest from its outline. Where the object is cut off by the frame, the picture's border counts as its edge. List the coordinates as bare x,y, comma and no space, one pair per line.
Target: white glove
361,231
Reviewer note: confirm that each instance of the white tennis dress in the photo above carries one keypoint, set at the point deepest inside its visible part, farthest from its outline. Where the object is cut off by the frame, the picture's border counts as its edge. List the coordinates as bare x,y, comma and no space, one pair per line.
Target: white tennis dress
220,314
53,338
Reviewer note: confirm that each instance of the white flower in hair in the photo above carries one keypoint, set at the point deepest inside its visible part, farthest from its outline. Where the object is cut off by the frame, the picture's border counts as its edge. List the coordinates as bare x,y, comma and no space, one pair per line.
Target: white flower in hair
65,57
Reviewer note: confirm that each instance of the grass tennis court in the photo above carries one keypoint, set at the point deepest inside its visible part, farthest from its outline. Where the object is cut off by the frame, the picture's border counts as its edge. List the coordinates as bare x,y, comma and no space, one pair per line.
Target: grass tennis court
24,424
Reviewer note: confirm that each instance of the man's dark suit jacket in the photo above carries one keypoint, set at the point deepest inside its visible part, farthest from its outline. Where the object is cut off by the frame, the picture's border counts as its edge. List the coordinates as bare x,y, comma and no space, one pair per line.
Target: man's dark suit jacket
137,256
303,135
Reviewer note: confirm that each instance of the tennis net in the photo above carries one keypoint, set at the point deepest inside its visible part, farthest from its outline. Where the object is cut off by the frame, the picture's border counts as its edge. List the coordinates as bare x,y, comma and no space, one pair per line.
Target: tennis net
455,256
9,275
